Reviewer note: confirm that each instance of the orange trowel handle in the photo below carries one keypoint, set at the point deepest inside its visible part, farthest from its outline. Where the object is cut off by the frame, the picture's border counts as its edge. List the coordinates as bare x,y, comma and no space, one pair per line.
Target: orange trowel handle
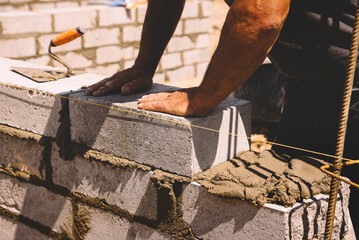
67,36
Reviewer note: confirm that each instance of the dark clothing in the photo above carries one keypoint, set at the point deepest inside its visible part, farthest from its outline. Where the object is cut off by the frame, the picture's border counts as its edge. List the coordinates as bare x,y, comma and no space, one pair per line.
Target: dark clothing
315,40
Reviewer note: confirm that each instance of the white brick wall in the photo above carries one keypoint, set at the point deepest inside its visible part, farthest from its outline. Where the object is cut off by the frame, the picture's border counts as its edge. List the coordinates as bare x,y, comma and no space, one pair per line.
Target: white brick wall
179,29
180,44
131,33
181,73
196,56
129,63
203,40
128,52
67,18
141,12
101,37
201,69
13,8
106,71
191,10
18,48
108,54
109,16
75,60
39,6
206,8
197,25
25,22
43,60
171,60
112,37
159,77
64,4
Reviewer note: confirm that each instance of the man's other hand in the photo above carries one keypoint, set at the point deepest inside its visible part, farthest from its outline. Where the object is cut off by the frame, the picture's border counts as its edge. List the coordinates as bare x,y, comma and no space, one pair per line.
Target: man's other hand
128,81
179,102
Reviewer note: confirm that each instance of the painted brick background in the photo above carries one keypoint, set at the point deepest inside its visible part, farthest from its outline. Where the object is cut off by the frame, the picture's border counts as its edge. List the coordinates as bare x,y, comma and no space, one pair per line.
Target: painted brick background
112,39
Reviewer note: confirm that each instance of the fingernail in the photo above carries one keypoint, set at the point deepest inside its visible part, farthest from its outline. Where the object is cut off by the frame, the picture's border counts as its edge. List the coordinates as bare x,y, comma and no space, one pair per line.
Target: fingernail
140,105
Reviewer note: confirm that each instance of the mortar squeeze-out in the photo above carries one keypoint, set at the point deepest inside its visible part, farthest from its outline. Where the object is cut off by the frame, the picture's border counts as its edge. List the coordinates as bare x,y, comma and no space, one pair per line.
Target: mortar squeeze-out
266,178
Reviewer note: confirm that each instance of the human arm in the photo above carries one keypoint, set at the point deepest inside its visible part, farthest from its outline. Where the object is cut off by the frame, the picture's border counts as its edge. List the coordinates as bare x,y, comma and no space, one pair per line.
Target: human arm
161,19
249,32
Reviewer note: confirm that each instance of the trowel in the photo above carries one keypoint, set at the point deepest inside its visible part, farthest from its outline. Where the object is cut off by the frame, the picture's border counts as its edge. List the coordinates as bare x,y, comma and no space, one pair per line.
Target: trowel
42,75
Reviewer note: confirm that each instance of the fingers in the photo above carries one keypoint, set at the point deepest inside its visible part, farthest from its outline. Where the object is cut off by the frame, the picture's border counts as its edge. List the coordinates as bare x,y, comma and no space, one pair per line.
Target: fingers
108,85
127,82
154,102
135,86
104,89
89,90
176,103
105,86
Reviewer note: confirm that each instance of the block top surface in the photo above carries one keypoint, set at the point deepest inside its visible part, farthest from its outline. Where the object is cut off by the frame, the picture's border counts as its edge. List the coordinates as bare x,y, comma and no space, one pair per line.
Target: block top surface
131,102
61,86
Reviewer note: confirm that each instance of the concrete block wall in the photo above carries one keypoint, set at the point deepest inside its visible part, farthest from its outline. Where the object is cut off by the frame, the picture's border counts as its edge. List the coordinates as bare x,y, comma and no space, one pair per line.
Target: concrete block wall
63,174
111,42
100,196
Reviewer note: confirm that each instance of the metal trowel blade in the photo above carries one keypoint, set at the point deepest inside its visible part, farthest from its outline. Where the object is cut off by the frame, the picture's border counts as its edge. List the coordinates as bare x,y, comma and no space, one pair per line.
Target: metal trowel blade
42,75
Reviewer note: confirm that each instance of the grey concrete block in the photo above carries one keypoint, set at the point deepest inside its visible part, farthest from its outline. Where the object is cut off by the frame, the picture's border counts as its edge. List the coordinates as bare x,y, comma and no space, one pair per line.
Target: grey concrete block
107,226
33,111
214,217
161,140
34,202
116,180
33,106
12,230
22,150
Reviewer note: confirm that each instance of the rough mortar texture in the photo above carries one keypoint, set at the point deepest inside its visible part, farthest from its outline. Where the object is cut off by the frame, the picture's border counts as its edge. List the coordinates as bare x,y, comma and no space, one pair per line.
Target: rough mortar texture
267,177
107,226
23,151
10,229
34,202
118,181
239,219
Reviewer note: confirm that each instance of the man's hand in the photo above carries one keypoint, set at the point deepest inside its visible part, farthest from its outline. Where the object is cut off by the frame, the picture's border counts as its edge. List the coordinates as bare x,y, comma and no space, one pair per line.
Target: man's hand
179,102
129,81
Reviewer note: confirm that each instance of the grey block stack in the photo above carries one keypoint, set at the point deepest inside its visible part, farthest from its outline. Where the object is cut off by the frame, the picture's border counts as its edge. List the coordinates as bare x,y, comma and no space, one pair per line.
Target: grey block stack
179,145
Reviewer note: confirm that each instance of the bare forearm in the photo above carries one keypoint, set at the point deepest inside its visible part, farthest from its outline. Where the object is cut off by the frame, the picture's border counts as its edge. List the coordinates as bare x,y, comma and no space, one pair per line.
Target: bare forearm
161,19
245,41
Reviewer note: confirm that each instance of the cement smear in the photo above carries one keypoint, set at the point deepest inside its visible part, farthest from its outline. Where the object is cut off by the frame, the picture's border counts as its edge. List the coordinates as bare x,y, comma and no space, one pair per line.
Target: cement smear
170,215
266,178
14,132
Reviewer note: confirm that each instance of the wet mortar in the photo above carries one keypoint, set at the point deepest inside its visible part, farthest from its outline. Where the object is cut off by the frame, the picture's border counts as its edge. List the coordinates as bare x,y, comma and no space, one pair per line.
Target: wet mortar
266,177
